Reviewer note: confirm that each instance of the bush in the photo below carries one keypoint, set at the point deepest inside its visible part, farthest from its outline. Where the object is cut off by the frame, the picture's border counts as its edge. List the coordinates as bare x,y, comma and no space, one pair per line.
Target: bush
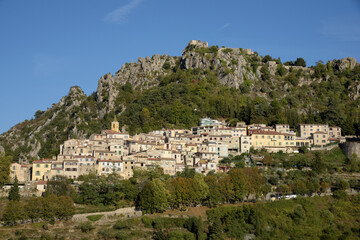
166,65
45,237
45,226
121,235
95,218
52,221
148,222
106,234
164,223
121,224
300,62
85,227
340,194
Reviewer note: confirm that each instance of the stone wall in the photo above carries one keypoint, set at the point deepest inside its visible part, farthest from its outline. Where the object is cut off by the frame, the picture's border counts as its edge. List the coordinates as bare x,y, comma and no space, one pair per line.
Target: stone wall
351,147
121,212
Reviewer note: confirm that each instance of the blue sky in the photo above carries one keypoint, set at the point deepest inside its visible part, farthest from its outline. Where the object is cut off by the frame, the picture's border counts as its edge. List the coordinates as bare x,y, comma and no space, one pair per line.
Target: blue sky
47,46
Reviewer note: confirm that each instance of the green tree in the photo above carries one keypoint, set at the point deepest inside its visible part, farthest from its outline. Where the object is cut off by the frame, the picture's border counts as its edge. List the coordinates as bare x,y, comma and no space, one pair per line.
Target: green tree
60,186
238,180
13,212
196,226
154,197
34,208
281,70
38,113
14,194
200,188
318,165
5,162
300,62
182,192
299,187
267,58
216,195
283,189
216,230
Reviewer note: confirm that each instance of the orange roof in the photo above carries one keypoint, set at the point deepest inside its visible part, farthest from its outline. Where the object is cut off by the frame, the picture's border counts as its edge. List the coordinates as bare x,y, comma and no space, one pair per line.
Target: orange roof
103,160
44,161
320,132
268,133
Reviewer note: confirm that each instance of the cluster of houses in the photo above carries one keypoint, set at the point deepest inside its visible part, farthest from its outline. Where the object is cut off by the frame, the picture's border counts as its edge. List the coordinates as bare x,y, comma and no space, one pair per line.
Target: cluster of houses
200,148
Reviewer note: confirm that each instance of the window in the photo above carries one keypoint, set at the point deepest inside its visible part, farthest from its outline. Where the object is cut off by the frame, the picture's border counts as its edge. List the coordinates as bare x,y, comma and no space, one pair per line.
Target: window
37,165
37,173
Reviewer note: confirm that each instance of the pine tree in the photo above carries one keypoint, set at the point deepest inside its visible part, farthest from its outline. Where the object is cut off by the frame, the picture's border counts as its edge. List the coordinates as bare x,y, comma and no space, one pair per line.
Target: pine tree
14,194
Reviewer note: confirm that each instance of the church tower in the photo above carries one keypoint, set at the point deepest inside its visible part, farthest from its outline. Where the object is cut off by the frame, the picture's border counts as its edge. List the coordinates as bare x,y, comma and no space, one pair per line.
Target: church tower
115,125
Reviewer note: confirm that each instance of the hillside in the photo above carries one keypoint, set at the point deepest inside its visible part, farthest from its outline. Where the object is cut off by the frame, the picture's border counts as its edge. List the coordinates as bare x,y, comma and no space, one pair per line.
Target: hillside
165,91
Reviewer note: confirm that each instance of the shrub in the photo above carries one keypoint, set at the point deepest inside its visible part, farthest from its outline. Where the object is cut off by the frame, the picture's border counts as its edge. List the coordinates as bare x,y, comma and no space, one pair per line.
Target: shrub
147,221
163,223
85,227
227,50
106,234
340,194
45,226
166,65
46,237
121,224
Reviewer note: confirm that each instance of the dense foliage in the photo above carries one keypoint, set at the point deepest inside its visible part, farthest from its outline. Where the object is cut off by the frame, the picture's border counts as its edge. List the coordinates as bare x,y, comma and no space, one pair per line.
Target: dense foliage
304,218
5,162
14,194
34,209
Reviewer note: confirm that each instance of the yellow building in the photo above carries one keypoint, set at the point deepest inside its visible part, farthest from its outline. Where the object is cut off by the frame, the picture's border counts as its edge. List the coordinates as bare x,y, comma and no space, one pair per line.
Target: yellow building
273,141
39,168
320,138
22,172
306,130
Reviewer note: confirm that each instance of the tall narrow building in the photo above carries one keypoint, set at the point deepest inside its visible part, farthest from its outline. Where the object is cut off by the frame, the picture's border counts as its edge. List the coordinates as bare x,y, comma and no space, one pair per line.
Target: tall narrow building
115,125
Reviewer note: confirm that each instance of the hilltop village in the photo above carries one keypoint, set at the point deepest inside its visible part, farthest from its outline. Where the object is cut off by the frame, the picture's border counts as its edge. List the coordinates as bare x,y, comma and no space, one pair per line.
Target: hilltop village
201,148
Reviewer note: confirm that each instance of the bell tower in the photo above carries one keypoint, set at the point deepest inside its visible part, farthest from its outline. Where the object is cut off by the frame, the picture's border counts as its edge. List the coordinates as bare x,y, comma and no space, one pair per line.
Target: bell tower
115,125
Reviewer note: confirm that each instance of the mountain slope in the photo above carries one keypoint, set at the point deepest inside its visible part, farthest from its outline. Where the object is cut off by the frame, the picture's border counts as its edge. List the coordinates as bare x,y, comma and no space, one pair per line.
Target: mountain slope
166,91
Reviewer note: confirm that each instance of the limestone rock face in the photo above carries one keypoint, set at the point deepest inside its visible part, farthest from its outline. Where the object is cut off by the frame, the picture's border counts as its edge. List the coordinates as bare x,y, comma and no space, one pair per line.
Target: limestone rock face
345,63
272,67
145,72
106,93
74,98
229,63
351,148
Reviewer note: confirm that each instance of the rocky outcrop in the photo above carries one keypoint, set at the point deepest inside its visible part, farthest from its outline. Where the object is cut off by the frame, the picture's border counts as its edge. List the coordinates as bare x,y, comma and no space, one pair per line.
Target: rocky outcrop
145,73
74,98
351,148
345,63
106,93
229,63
